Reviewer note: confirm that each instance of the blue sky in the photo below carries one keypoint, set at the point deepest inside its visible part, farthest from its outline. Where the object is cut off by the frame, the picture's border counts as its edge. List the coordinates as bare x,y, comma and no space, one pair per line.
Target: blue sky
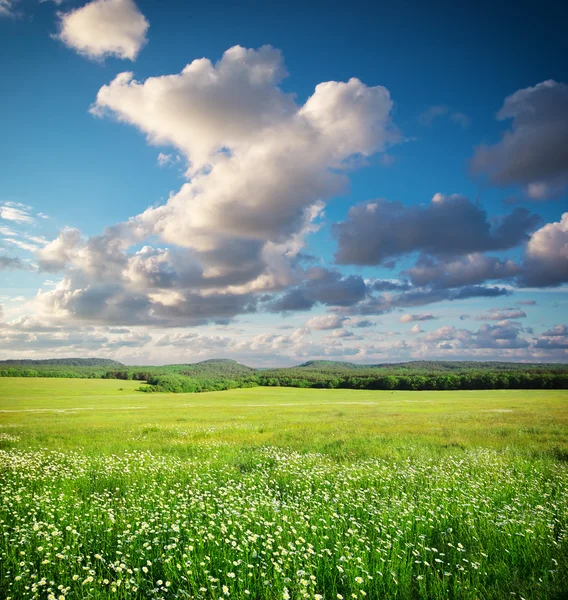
422,194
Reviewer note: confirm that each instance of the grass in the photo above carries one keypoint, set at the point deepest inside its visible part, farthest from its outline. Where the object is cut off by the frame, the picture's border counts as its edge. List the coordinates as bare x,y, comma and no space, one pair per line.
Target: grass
278,492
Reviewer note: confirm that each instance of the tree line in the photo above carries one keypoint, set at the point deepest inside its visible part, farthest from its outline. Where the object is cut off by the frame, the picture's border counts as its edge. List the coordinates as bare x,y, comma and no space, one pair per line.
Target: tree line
223,375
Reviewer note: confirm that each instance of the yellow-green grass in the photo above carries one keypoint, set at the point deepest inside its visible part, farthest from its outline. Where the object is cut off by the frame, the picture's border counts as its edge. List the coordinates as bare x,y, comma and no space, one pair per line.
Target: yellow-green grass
110,416
281,493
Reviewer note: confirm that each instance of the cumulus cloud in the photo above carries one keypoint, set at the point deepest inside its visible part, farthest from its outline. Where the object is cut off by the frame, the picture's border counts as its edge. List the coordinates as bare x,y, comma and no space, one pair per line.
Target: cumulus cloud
532,153
503,335
325,322
408,318
380,232
496,314
105,28
258,161
260,168
416,329
343,333
320,286
471,269
31,335
544,263
546,257
557,330
553,339
360,323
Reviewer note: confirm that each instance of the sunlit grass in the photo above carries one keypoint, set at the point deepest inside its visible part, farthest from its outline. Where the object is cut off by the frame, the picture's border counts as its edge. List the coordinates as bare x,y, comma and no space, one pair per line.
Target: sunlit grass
276,493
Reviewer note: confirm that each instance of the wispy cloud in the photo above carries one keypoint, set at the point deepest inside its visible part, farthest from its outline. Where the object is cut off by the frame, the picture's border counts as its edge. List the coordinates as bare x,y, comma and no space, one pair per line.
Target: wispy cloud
432,113
16,212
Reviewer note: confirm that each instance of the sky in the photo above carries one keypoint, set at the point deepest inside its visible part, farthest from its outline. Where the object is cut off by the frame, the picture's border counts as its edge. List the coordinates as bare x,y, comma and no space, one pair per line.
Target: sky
279,182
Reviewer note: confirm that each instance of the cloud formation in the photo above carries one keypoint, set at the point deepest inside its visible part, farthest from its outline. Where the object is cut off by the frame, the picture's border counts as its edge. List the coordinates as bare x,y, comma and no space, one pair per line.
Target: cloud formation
496,314
104,28
326,322
380,232
385,303
408,318
533,152
471,269
16,212
12,262
260,168
7,8
546,258
505,335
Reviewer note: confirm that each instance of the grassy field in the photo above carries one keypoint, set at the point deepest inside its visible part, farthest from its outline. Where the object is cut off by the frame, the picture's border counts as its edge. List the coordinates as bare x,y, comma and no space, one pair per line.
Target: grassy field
276,493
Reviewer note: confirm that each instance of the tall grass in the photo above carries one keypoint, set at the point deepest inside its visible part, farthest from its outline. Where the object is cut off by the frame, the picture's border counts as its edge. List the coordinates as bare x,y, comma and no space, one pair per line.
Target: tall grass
268,523
274,496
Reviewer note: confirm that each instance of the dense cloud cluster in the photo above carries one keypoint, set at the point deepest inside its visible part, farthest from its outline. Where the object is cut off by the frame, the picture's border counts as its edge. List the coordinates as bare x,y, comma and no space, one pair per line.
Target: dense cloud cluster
382,231
259,168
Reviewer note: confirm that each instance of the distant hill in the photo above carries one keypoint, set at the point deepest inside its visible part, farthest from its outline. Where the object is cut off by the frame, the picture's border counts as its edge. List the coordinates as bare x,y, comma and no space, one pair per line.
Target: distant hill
214,368
63,362
327,365
421,366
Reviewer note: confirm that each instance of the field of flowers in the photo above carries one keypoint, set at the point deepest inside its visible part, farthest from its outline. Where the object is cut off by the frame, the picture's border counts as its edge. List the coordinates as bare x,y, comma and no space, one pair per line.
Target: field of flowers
229,521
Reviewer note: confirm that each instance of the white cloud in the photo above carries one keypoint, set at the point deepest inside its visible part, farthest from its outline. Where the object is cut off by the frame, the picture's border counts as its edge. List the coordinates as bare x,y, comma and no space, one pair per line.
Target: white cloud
16,212
27,246
546,260
260,169
105,28
325,322
258,161
7,8
167,159
408,318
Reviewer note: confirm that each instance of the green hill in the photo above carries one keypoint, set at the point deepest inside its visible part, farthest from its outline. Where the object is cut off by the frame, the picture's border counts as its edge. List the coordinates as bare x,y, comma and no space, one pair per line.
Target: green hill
62,362
214,368
422,366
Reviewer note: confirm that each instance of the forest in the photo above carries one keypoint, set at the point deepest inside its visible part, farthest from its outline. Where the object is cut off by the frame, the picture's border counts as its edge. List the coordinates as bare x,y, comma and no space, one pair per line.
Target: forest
224,374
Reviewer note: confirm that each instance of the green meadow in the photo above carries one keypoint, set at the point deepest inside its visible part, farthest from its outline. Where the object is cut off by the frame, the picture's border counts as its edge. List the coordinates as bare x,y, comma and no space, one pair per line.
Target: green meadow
280,493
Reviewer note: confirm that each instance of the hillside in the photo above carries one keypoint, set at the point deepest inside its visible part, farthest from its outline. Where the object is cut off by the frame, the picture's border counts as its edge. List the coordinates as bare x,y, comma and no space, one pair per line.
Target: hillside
213,368
62,362
428,366
327,365
223,374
